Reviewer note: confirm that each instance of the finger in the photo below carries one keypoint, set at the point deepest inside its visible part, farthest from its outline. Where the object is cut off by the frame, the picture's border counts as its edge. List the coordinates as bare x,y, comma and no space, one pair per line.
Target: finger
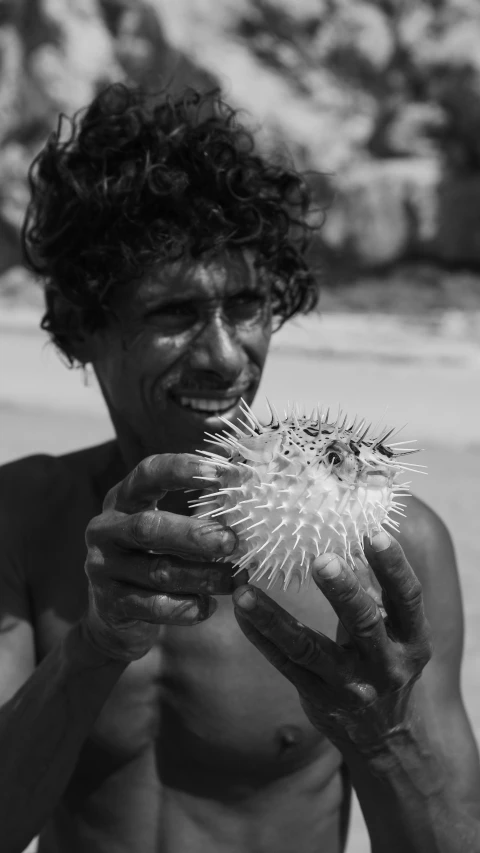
171,574
137,604
357,611
157,474
366,576
403,590
165,533
301,678
302,646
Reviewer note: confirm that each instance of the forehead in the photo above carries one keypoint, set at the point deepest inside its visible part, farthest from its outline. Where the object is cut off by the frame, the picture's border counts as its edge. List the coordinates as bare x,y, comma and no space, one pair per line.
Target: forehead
207,278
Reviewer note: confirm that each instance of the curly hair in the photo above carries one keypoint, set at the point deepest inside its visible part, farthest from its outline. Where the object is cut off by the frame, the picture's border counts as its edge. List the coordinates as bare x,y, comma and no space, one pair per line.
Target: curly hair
142,179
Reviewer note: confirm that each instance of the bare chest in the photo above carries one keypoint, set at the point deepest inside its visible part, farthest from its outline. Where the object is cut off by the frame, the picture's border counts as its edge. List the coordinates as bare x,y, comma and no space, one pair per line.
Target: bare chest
204,695
201,741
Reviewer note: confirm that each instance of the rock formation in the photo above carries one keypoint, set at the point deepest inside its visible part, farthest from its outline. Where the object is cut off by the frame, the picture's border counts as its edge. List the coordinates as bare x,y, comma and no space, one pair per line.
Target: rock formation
380,97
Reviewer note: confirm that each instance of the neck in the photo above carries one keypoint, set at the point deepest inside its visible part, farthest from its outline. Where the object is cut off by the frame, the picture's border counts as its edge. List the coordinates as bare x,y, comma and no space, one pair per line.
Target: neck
109,468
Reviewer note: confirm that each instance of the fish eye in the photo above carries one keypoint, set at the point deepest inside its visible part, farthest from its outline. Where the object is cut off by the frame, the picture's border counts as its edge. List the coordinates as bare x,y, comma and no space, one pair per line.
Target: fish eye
333,457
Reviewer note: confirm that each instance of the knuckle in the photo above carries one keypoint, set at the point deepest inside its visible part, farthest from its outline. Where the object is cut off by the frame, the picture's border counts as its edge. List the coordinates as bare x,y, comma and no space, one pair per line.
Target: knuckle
178,461
156,606
111,496
145,468
282,662
413,593
93,530
349,592
161,572
367,621
398,676
304,652
103,598
428,644
394,560
144,527
95,561
139,477
361,695
423,651
124,610
270,623
115,605
123,605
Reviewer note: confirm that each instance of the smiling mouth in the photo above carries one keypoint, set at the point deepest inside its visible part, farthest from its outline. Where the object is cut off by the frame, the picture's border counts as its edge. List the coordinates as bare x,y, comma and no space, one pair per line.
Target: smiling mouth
206,406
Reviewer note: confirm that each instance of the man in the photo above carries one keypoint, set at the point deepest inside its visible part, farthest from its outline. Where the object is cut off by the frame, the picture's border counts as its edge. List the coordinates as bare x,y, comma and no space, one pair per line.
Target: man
141,710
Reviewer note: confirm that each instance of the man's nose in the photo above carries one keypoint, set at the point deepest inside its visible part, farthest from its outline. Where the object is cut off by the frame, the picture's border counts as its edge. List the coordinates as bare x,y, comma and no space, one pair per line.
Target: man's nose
217,350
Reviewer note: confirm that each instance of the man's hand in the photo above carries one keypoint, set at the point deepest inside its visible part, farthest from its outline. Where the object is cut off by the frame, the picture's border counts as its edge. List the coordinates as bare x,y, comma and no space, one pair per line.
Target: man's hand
357,692
148,568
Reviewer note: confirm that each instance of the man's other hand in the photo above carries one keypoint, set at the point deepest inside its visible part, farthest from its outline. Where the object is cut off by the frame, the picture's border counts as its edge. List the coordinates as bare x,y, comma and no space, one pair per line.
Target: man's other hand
356,692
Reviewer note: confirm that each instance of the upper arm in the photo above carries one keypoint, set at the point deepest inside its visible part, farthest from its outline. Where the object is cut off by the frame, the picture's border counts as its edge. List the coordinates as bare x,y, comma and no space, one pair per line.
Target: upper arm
17,643
429,549
17,647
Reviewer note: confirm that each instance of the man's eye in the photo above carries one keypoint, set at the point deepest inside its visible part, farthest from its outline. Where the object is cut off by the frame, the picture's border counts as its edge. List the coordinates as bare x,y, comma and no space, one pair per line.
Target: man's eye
333,457
245,306
174,316
334,454
176,311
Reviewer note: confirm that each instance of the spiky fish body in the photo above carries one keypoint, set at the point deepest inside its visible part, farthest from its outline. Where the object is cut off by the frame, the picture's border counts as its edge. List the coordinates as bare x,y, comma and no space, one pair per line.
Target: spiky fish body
302,486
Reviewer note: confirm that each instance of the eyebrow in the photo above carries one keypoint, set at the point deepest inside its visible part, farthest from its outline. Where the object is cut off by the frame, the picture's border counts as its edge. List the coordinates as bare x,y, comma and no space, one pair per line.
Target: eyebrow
172,298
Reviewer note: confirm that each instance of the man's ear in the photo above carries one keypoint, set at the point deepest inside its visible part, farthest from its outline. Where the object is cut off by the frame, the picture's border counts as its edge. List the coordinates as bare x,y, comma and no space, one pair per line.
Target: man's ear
82,347
65,324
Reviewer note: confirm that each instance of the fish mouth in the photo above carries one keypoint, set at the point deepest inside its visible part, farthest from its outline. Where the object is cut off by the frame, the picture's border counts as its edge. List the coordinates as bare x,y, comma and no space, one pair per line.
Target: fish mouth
207,404
377,476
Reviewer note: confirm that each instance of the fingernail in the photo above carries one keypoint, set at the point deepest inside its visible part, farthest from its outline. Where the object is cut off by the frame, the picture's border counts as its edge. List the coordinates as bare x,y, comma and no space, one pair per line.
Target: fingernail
381,541
205,605
246,600
327,566
208,470
228,542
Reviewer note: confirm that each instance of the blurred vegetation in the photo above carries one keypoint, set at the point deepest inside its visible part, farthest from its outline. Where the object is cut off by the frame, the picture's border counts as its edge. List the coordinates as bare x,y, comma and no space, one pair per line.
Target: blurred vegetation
381,98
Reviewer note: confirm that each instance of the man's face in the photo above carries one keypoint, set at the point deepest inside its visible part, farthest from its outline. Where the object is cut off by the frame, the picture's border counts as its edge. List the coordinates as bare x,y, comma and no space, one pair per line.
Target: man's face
182,348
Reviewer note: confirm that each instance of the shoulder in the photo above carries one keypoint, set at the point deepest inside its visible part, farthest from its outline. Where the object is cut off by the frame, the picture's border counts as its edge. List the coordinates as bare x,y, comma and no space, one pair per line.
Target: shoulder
424,537
429,549
45,503
26,481
29,482
33,490
27,488
37,488
48,478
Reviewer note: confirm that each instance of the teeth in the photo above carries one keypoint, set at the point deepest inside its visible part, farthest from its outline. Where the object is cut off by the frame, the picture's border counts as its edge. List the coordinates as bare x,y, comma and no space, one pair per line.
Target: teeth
199,405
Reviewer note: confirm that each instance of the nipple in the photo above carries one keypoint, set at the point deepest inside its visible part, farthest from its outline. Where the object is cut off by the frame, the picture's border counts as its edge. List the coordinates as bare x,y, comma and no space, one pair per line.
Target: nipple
289,737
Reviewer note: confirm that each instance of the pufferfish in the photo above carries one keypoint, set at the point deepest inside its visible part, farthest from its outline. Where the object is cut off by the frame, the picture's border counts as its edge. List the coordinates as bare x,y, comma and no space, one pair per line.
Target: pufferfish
301,486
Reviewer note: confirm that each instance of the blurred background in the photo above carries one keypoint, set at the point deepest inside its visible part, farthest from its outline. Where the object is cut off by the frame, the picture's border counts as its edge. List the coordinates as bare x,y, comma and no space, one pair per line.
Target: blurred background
381,98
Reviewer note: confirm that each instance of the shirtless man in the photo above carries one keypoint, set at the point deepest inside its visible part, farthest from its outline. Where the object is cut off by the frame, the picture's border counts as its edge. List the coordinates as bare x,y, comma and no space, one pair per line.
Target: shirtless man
141,711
